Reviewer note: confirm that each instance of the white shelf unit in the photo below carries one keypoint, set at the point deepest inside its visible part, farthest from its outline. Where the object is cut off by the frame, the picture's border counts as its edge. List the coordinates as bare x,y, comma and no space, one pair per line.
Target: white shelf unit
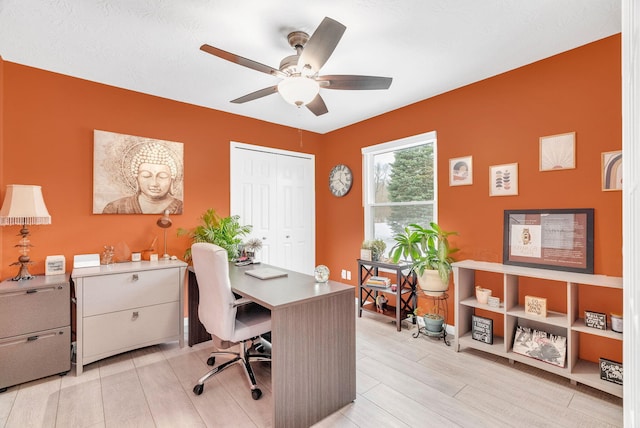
569,324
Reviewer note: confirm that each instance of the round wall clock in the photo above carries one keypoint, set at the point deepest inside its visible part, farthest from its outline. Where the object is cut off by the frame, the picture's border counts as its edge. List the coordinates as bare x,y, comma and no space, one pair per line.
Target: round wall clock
340,180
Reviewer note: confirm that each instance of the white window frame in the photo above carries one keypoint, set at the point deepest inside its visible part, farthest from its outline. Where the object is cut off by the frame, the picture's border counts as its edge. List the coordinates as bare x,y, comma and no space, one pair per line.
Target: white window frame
367,166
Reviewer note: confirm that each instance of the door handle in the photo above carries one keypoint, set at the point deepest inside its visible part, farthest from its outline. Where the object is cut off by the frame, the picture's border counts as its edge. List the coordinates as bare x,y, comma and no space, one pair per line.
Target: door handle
135,316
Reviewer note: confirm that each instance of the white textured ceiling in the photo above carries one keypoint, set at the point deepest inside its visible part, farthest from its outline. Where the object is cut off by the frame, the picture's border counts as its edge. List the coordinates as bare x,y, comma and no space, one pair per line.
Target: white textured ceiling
427,46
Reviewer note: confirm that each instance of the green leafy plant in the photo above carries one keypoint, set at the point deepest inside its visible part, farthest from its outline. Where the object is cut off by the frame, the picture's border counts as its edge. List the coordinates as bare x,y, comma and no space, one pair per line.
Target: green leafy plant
226,232
377,247
428,248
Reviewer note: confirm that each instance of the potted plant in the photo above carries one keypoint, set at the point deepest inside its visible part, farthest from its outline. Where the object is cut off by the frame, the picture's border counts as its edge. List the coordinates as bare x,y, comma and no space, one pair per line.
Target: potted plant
226,232
377,247
430,253
433,321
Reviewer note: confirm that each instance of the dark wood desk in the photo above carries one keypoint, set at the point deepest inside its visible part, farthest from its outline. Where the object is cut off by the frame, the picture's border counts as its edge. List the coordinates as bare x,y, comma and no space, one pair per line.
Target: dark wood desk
313,372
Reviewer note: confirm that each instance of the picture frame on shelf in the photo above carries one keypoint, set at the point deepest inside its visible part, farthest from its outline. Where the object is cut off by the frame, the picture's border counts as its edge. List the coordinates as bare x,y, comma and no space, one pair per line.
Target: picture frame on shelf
540,345
461,171
611,371
503,180
55,265
612,171
482,329
595,320
558,152
559,239
535,306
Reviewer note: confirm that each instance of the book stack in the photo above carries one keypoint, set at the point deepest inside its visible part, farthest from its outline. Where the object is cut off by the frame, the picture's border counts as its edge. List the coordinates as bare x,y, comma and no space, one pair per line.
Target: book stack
378,282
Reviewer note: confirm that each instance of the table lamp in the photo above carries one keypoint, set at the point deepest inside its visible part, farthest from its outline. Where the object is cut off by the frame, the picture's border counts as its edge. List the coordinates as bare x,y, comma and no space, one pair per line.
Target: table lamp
165,222
23,205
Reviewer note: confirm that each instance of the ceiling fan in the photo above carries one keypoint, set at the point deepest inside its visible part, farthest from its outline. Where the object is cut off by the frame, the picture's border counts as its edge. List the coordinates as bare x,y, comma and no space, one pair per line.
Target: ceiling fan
300,84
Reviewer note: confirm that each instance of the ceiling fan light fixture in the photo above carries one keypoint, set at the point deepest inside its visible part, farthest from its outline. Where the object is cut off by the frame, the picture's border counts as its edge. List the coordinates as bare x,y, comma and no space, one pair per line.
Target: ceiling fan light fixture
298,90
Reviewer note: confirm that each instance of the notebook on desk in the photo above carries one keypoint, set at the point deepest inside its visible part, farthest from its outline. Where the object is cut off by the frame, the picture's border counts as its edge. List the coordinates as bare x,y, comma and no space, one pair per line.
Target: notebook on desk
266,273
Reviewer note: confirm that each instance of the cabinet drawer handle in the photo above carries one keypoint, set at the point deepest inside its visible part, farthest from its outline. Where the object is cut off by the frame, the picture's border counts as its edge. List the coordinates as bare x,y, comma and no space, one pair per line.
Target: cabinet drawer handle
135,316
31,291
32,338
135,277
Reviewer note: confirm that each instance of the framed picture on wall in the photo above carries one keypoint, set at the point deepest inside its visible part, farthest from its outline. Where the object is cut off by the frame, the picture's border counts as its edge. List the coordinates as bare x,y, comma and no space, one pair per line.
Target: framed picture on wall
612,171
503,180
461,171
558,152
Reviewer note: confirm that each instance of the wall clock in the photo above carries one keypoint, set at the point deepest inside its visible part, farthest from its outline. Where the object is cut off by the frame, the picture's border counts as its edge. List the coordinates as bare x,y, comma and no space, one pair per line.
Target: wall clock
340,180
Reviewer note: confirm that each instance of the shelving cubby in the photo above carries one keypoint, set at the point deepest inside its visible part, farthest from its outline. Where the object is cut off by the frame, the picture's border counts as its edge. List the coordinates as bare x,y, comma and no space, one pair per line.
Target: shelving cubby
567,323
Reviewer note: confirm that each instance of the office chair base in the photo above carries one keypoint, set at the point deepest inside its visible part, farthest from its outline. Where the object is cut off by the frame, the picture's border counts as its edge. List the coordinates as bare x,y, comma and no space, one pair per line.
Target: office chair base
244,357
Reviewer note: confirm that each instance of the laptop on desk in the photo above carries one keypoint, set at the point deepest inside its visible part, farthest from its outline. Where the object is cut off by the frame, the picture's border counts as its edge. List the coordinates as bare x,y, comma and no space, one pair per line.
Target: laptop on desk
266,273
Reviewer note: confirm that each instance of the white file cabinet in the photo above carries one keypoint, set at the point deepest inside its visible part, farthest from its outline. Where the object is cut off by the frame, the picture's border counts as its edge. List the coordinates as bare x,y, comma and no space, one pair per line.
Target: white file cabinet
35,329
125,306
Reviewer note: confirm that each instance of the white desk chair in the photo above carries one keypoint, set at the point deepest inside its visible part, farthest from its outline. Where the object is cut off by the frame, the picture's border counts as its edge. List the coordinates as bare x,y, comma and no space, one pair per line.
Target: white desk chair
230,321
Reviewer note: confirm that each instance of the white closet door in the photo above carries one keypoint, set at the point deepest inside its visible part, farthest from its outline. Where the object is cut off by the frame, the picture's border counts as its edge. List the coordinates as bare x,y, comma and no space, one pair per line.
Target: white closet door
273,190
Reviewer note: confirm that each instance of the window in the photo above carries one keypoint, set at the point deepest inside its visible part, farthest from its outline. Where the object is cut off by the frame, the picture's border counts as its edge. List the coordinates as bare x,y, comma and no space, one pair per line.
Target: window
399,186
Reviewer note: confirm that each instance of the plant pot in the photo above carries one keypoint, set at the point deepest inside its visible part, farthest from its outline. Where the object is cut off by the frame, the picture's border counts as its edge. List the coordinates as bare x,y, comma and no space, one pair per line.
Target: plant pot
433,322
431,283
482,294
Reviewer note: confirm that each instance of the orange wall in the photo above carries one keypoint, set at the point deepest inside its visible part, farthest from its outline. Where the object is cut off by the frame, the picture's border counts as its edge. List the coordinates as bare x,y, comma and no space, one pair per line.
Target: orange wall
499,120
48,120
48,136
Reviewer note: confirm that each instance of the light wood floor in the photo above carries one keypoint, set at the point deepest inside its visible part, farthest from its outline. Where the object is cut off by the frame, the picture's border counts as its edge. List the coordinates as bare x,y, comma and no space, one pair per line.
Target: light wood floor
401,382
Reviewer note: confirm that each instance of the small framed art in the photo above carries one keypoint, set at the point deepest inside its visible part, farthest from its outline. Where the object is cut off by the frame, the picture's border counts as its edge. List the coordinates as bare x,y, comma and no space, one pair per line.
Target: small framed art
461,171
503,180
482,329
596,320
558,152
54,265
612,171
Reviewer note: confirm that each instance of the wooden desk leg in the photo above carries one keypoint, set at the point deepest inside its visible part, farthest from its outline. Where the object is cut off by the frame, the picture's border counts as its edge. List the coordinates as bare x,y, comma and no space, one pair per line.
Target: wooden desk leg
313,371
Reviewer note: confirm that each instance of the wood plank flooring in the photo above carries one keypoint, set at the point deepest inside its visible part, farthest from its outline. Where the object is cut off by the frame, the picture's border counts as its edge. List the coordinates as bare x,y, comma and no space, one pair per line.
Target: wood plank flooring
401,382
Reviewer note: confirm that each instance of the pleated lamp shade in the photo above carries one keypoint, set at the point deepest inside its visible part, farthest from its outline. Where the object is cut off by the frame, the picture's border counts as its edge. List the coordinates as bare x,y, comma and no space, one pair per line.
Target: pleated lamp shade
23,204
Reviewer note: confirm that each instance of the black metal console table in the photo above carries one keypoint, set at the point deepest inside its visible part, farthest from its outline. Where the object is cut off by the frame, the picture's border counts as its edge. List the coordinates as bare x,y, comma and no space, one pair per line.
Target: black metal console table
404,292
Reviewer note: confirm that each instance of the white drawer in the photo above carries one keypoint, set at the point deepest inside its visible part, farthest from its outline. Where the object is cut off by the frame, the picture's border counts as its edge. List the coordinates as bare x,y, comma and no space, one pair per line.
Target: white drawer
116,292
133,328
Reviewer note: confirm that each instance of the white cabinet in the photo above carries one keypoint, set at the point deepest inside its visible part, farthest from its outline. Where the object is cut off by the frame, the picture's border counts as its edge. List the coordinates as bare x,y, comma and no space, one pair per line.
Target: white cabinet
126,306
568,323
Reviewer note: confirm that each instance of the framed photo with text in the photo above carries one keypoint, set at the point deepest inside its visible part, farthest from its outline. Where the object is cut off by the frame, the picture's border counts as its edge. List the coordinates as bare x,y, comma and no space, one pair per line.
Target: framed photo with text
560,239
482,329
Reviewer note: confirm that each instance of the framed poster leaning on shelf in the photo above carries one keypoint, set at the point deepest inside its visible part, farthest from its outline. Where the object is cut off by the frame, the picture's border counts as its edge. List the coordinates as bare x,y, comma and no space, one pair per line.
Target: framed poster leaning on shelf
559,239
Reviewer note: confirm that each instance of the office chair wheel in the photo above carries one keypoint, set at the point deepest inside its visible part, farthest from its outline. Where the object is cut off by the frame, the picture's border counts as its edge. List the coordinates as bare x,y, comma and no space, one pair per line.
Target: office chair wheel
256,394
198,389
211,361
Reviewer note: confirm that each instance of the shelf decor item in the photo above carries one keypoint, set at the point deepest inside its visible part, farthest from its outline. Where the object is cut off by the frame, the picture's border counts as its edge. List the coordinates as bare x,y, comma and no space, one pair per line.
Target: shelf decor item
54,265
616,322
560,239
595,320
540,345
611,371
321,273
482,294
482,329
493,302
536,306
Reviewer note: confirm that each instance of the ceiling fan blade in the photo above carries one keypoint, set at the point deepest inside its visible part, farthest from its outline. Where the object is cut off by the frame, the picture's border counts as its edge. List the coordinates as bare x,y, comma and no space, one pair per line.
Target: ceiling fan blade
321,44
338,81
257,94
237,59
317,106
